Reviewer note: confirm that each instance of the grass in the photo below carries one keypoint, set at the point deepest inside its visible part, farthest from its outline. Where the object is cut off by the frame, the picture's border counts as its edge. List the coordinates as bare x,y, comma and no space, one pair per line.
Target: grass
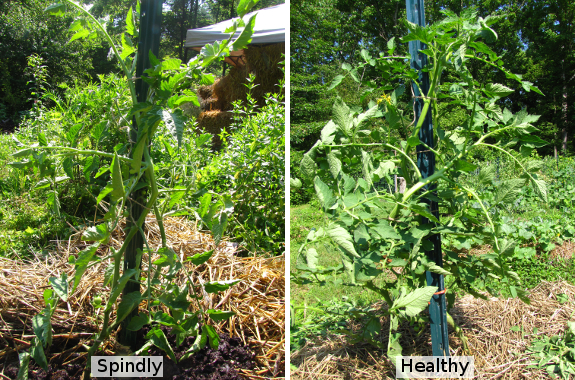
303,218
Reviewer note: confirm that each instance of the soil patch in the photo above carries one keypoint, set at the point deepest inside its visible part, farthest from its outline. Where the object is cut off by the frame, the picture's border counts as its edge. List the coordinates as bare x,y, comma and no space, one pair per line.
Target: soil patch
207,364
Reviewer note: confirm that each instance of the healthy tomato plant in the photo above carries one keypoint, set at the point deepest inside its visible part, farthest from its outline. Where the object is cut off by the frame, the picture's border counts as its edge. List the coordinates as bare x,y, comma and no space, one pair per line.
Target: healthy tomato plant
378,232
131,183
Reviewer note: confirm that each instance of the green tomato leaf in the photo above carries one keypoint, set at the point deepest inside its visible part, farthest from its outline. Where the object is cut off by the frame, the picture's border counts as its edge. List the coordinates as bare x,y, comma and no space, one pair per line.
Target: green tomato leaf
24,359
137,322
416,301
213,336
244,7
159,340
81,263
219,286
200,258
117,181
60,286
130,27
343,239
245,36
56,10
217,315
128,303
119,287
37,353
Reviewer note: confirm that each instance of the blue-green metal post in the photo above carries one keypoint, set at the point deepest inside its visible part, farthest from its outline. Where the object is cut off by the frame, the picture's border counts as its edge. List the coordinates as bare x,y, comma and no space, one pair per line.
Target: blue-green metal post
149,39
426,165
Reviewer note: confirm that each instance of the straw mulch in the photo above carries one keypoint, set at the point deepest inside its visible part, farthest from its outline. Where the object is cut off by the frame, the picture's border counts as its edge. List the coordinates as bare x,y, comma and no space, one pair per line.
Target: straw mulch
215,100
258,299
214,122
499,352
264,63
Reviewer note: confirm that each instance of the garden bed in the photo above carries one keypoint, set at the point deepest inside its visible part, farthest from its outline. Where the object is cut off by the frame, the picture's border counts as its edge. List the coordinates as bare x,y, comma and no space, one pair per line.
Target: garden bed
498,331
257,300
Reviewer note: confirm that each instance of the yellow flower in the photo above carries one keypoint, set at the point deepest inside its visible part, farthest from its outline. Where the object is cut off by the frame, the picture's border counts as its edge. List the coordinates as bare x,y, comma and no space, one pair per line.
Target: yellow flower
469,195
385,98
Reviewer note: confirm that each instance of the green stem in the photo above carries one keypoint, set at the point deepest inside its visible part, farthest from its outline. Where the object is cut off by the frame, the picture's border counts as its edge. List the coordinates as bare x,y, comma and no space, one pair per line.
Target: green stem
415,168
470,191
74,151
113,45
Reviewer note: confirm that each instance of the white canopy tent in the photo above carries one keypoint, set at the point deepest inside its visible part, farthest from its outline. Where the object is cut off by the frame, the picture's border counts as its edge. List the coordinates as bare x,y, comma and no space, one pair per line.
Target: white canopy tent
270,28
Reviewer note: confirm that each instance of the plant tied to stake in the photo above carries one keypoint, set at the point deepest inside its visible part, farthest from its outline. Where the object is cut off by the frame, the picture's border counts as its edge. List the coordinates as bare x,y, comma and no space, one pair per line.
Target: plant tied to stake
378,232
129,168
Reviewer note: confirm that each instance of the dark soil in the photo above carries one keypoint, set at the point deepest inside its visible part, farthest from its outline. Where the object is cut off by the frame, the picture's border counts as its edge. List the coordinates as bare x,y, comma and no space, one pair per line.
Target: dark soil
207,364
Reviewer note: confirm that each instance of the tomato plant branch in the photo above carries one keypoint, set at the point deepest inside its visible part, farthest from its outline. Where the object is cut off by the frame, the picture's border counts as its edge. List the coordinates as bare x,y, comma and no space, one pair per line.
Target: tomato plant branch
114,48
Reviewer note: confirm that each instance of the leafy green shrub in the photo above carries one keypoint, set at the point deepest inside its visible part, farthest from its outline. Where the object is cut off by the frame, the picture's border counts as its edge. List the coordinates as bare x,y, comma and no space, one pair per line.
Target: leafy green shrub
251,166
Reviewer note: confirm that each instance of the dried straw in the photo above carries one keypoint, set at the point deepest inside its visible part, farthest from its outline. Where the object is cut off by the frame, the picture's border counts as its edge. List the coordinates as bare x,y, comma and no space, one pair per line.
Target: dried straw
258,299
214,122
499,352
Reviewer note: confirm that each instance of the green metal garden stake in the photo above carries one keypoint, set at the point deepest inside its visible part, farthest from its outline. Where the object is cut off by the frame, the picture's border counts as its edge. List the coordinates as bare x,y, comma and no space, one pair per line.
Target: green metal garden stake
426,165
150,24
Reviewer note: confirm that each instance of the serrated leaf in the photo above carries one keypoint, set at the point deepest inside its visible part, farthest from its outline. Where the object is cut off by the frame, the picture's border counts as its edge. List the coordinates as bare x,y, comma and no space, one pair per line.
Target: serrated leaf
128,303
311,258
82,262
498,89
42,139
175,122
96,233
119,287
245,36
218,227
416,301
81,34
334,164
219,286
342,117
137,322
213,336
60,286
56,10
324,193
218,315
127,46
105,191
23,152
72,134
159,340
176,196
244,7
200,258
508,190
308,166
343,239
117,181
486,175
540,188
108,274
130,27
37,353
434,268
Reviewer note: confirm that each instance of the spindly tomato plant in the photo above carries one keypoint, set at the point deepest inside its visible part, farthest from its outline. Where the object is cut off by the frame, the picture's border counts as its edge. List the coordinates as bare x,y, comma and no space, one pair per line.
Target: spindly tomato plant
131,183
378,232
